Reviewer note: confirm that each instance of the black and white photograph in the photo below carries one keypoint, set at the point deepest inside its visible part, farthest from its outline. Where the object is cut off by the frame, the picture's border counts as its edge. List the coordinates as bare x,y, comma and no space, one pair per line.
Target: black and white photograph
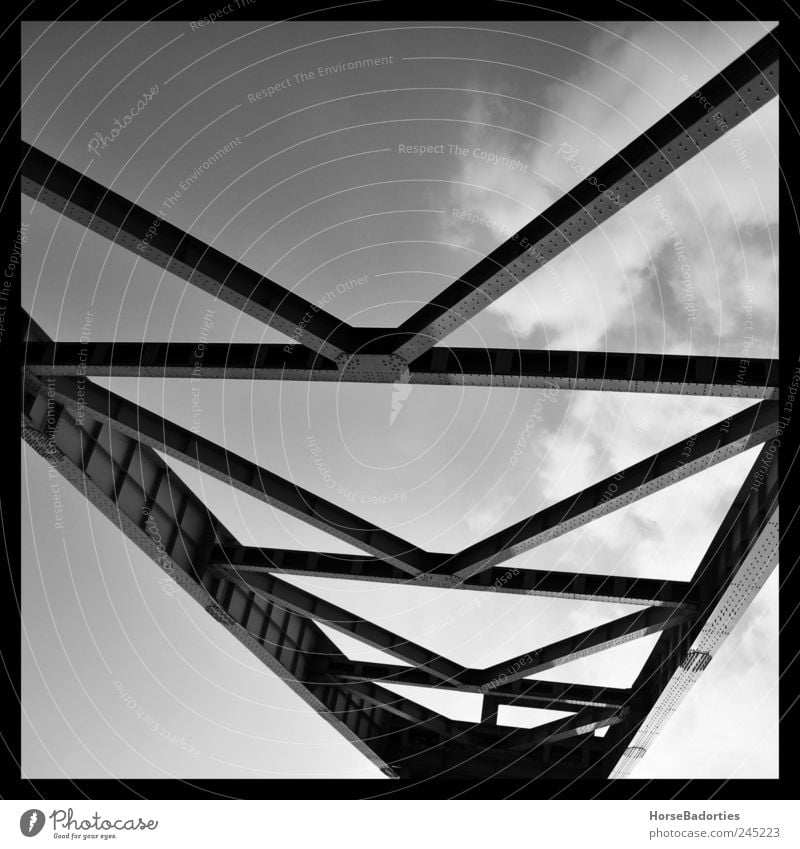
406,413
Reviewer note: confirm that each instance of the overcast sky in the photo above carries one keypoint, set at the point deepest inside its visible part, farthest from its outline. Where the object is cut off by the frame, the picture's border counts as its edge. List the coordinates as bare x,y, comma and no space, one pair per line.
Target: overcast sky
317,191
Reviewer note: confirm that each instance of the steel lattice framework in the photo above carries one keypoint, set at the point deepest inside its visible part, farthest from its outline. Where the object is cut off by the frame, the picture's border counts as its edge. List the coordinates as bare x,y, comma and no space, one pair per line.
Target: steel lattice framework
107,447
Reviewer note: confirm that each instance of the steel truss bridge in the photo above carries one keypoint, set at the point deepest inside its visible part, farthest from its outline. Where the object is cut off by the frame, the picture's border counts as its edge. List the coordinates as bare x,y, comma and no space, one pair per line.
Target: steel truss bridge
107,448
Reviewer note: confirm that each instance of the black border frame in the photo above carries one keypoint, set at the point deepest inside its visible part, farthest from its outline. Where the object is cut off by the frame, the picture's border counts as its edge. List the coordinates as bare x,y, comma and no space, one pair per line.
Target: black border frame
12,786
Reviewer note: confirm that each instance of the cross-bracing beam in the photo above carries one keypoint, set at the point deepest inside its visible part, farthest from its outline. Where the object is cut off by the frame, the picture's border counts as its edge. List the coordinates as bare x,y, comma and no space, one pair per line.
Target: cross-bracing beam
502,367
725,439
597,639
431,669
307,604
738,562
243,474
134,488
279,623
552,695
248,612
616,589
726,100
149,236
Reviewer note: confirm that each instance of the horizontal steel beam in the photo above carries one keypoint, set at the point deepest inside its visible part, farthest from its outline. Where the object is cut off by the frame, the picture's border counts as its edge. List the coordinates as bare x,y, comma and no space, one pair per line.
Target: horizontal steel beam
616,589
586,721
597,639
546,695
668,374
484,735
149,236
723,102
725,439
741,557
419,755
497,367
243,474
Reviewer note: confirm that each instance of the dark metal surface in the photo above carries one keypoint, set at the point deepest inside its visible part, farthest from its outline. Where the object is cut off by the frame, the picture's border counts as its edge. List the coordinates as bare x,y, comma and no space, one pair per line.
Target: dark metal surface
723,102
92,205
738,562
104,445
617,589
667,374
725,439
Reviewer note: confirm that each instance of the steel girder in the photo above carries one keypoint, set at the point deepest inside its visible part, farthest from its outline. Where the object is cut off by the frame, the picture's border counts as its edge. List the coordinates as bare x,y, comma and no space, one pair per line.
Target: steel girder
616,589
741,557
149,236
578,370
425,732
616,632
104,446
236,596
243,474
725,439
381,354
132,486
593,640
536,693
723,102
307,604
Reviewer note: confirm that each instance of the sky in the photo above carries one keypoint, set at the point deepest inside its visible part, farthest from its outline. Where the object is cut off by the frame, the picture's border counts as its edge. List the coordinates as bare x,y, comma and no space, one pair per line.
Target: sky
319,189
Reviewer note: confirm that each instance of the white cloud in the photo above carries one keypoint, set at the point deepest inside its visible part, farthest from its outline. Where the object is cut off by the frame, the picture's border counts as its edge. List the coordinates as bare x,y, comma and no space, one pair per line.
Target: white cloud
721,203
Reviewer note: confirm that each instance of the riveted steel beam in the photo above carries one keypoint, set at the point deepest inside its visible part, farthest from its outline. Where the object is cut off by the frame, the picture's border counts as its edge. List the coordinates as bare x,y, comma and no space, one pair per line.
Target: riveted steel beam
499,367
127,481
534,582
725,439
667,374
723,102
243,474
178,359
738,562
307,604
482,736
552,695
593,640
149,236
418,754
132,486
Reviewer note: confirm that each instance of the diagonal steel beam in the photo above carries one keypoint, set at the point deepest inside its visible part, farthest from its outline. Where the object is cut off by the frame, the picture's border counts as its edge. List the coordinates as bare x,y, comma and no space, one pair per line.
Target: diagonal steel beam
616,589
500,367
288,642
305,603
149,236
725,439
243,474
622,630
741,557
586,721
723,102
404,708
132,486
